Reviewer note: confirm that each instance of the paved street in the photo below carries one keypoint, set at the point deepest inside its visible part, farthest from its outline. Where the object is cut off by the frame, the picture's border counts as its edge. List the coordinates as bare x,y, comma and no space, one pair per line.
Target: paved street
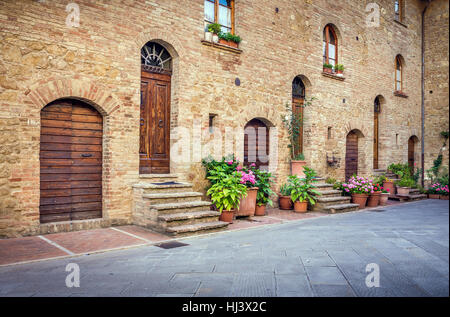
323,256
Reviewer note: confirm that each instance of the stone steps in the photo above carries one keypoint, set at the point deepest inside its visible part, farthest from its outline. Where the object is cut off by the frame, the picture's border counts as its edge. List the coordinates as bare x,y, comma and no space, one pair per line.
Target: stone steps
151,188
189,218
176,207
187,230
323,202
331,200
333,209
329,192
158,178
161,198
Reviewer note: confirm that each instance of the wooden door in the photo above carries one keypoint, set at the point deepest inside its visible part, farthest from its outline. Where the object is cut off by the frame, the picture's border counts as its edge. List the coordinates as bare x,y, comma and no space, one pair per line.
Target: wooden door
70,162
411,154
256,144
154,148
351,155
297,109
375,140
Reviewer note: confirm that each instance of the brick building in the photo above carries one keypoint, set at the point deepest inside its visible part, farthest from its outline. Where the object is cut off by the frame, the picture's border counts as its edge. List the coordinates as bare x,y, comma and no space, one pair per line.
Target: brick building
94,63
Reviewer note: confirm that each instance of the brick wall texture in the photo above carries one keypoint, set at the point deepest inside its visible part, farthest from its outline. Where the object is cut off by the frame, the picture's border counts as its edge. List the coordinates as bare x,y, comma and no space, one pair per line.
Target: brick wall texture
99,62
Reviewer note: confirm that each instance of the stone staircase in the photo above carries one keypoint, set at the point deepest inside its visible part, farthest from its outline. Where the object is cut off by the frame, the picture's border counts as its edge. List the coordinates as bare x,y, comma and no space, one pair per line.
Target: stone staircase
414,193
166,205
330,200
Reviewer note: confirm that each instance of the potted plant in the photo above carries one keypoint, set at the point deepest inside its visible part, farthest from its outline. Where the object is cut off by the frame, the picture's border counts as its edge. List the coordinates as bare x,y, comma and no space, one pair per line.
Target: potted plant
248,203
327,68
374,197
226,195
339,69
384,196
302,193
297,165
388,185
443,192
433,191
263,182
404,185
359,188
285,201
229,39
214,28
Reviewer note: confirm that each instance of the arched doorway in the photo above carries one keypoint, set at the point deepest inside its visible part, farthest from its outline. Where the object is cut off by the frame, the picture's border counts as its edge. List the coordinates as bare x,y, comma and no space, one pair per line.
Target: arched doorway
154,142
377,110
70,162
298,104
411,152
351,154
256,144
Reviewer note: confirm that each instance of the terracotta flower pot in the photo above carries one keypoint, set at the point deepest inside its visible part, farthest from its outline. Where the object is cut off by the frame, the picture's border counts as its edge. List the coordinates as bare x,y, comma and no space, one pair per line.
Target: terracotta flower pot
297,168
285,202
443,197
433,196
327,70
260,210
360,199
226,216
248,203
222,41
390,186
301,207
374,199
383,199
403,191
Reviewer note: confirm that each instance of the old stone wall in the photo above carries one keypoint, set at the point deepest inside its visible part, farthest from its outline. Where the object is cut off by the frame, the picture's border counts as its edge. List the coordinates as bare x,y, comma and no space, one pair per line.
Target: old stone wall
42,59
436,81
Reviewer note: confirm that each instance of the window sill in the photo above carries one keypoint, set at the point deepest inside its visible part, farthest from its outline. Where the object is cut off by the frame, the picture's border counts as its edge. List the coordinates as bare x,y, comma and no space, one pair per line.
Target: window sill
222,47
400,94
400,23
334,76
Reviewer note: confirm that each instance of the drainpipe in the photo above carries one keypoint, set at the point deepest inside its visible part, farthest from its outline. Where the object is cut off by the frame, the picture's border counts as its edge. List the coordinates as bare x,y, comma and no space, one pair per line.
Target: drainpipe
423,94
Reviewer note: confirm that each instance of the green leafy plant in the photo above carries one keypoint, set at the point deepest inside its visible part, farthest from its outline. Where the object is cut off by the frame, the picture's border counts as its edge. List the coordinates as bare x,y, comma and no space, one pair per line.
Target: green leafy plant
401,170
326,65
215,170
285,190
299,157
214,28
230,37
339,67
445,134
293,121
227,192
301,190
330,180
406,182
264,181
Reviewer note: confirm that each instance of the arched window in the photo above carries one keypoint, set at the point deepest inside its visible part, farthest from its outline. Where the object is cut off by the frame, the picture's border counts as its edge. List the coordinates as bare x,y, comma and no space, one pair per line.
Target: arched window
298,103
155,55
330,46
398,74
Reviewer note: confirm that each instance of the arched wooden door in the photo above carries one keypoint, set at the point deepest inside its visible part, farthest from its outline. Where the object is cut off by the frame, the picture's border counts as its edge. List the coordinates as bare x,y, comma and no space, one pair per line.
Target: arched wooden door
377,110
411,154
351,155
256,144
70,162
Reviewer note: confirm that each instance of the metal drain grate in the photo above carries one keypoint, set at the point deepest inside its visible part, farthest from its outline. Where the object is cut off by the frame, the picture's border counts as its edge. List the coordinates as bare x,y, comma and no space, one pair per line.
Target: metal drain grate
378,210
171,245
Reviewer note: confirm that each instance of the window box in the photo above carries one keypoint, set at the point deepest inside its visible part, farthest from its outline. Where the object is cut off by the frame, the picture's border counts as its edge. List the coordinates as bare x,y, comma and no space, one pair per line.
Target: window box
222,47
400,93
228,43
327,70
334,76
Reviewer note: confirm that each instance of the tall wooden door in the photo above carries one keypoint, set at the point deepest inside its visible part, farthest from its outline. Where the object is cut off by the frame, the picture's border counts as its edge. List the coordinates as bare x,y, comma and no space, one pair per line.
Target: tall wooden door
154,148
411,154
351,155
297,109
375,141
70,162
256,144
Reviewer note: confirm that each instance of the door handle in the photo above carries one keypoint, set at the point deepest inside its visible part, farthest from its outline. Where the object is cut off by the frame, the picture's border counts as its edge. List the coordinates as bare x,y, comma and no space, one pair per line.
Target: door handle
142,122
86,155
160,123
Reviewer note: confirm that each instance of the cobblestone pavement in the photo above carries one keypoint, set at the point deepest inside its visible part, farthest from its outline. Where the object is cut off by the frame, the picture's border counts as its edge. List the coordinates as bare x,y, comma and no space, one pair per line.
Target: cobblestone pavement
322,256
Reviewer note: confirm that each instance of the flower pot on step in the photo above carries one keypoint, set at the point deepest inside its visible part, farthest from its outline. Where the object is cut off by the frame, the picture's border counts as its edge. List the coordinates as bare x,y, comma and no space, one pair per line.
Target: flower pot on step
285,202
383,199
360,199
260,210
297,168
374,199
226,216
301,207
404,191
248,203
389,186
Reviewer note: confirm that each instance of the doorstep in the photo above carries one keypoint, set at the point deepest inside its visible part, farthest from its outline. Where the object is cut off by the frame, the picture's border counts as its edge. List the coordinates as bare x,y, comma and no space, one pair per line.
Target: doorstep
75,243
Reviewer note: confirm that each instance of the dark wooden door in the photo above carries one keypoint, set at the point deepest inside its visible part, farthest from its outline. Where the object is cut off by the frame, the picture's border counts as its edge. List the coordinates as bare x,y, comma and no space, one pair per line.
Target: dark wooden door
375,141
411,154
256,144
154,148
297,109
351,155
70,162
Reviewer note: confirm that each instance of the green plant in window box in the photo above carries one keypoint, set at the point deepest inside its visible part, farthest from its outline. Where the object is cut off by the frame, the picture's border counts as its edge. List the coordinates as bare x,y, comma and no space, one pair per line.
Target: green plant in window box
339,68
214,28
327,68
229,39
